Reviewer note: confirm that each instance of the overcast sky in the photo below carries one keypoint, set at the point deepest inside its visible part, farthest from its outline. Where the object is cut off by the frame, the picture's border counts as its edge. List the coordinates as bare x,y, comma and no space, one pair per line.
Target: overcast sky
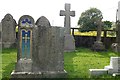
51,9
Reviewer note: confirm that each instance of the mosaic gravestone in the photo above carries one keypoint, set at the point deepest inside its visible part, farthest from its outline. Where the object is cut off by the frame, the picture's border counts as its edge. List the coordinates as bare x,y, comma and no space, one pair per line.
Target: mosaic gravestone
24,56
40,50
69,44
8,31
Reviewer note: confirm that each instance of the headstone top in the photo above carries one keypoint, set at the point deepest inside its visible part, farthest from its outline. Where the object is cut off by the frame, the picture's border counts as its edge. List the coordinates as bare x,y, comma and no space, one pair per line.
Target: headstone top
26,21
8,17
43,21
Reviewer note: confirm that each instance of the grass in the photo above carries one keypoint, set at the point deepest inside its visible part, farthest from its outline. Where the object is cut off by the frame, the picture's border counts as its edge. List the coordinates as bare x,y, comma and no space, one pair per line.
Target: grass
8,62
76,63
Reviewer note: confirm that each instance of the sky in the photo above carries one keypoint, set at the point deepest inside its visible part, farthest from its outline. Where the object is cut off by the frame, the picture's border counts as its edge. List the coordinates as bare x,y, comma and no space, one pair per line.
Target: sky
51,9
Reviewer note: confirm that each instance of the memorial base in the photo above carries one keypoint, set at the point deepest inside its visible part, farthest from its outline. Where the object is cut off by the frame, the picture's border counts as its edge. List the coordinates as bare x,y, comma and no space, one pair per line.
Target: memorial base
98,46
69,43
48,74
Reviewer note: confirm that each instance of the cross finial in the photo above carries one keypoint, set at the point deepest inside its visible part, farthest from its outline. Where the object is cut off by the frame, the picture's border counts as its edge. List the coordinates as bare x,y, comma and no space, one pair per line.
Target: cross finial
67,6
67,13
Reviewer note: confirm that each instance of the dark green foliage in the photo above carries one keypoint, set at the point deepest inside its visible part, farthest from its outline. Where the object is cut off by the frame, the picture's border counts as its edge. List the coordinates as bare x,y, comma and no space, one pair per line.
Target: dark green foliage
89,19
107,25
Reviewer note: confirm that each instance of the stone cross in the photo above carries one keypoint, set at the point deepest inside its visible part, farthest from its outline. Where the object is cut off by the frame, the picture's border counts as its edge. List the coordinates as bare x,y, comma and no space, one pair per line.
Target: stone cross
99,30
67,13
98,45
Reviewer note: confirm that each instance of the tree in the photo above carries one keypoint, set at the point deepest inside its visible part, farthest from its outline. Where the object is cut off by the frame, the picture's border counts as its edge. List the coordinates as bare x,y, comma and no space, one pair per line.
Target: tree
89,19
107,25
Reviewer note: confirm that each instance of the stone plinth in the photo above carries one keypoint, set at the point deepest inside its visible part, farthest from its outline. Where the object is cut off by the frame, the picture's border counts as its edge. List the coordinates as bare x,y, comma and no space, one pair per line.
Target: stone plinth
98,46
98,72
69,44
50,74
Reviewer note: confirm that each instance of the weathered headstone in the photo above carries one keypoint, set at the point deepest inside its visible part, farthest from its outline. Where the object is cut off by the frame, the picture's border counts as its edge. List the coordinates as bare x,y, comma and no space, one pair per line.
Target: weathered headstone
45,58
8,31
49,48
98,45
69,44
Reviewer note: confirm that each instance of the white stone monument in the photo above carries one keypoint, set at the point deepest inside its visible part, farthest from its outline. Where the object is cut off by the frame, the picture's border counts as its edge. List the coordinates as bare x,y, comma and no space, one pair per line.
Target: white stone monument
114,66
69,44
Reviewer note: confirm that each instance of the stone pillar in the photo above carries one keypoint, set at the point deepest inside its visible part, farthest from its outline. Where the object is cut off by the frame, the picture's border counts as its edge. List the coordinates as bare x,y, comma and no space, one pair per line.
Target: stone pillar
98,45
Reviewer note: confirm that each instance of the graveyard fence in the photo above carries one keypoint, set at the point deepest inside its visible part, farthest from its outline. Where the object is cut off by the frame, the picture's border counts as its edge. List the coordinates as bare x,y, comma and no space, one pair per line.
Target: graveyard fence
88,41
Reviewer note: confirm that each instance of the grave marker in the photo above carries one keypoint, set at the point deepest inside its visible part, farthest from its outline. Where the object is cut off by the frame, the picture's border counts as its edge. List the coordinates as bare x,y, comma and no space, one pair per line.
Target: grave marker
40,53
8,31
69,44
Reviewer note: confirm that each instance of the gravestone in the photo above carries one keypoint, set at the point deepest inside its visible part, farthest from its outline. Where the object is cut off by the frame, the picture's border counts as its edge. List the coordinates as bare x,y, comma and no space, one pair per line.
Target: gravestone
24,55
45,58
98,45
69,44
8,31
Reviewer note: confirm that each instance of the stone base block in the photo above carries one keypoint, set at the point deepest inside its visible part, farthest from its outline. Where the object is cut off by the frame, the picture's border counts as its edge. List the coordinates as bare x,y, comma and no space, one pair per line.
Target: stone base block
97,72
98,46
49,74
69,43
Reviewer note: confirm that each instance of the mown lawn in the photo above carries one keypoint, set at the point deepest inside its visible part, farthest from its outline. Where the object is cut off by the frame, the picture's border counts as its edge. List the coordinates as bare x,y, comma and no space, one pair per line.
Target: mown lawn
77,63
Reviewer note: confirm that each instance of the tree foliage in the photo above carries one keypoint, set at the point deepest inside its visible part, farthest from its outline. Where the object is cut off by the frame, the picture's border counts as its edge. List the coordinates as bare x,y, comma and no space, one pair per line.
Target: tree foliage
89,19
107,25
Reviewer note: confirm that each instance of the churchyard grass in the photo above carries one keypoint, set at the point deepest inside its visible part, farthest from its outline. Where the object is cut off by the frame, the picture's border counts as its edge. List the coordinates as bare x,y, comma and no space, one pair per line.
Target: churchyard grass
8,62
77,63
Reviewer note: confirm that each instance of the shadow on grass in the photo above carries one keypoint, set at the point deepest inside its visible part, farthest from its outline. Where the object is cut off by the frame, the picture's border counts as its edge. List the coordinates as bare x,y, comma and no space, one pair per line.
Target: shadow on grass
8,50
68,63
7,71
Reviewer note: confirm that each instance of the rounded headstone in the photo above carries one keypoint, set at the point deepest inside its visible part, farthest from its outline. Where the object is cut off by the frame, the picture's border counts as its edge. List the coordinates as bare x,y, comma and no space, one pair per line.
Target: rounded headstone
43,21
26,20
